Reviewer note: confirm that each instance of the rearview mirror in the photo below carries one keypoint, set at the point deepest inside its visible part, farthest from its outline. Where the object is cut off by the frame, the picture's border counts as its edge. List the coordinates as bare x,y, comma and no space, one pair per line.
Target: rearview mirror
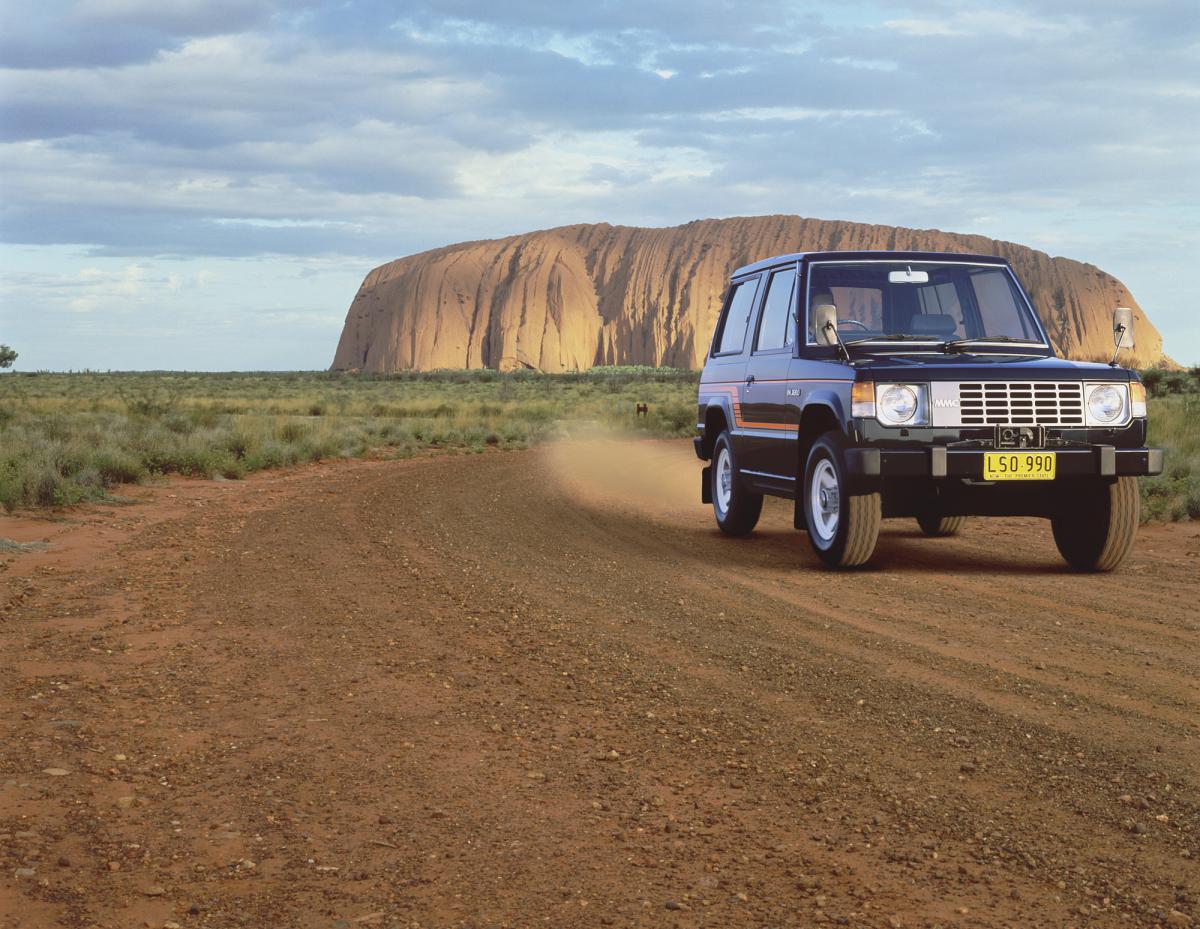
1123,327
908,276
825,323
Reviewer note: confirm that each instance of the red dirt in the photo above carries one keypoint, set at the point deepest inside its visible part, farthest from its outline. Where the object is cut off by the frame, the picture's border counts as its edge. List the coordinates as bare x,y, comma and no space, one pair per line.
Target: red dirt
476,691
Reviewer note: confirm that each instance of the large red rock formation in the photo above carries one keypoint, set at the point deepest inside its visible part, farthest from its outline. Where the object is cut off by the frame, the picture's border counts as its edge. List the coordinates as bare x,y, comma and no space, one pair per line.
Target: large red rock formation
578,296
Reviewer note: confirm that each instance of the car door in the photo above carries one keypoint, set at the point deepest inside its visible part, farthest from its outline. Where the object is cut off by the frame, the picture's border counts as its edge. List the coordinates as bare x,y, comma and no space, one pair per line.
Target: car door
769,428
724,377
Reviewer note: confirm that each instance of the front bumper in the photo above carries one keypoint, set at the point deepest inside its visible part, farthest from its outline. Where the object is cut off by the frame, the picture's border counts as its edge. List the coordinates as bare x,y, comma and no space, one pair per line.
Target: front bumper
941,462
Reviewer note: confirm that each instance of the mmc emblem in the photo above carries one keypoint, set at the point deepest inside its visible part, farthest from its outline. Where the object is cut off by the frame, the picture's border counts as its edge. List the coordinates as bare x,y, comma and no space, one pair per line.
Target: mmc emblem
945,401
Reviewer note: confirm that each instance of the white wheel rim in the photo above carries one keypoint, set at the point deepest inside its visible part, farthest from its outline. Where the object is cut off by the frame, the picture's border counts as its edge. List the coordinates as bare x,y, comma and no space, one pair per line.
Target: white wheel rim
824,502
723,489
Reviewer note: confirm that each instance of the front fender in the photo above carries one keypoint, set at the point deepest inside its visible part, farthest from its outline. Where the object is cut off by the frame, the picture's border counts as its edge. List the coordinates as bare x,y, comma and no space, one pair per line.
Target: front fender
831,400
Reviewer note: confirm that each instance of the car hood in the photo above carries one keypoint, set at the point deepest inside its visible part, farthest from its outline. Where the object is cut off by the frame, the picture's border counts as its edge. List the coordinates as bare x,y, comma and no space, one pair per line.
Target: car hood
988,367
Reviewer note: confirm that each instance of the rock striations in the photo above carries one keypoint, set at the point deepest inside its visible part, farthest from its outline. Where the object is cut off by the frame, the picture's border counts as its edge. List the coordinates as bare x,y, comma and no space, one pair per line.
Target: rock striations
578,296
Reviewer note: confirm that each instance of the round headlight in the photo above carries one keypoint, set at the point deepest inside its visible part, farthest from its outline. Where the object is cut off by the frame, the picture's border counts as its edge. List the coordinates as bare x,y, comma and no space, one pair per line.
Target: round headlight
898,404
1106,403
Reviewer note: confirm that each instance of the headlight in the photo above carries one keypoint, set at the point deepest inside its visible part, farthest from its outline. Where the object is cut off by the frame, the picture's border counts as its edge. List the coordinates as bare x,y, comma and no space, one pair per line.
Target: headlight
1107,404
898,403
902,404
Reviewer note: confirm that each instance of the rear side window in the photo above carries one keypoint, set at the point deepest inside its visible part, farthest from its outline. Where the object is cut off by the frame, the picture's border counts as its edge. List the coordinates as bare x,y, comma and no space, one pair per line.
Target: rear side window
737,317
775,330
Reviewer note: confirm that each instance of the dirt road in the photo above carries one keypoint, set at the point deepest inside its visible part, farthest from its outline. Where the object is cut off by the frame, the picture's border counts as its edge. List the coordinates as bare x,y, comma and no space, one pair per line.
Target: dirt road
538,689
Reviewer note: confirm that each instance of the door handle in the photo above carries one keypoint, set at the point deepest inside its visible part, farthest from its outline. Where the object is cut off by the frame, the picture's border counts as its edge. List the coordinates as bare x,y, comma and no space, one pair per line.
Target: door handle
749,379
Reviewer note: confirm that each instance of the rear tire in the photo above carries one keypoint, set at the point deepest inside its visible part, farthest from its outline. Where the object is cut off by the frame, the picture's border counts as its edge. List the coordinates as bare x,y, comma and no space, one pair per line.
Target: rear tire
1098,533
936,526
736,508
843,527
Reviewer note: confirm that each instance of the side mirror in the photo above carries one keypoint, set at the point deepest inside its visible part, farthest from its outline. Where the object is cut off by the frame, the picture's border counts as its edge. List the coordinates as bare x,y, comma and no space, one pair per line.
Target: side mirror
825,324
1123,327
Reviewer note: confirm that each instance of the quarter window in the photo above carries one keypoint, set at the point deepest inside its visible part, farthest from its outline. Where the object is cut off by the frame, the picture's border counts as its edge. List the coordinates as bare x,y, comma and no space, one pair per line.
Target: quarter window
775,330
737,317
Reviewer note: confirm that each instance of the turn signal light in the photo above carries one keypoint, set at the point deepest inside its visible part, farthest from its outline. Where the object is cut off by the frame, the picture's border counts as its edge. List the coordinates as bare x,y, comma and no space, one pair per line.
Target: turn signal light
1137,398
862,399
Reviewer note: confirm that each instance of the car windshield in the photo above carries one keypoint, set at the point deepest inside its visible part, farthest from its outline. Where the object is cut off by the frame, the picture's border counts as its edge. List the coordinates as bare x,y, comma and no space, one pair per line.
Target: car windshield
901,301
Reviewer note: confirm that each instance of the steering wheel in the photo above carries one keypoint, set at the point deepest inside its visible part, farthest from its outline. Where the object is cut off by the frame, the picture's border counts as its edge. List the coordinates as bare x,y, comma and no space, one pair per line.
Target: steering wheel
853,322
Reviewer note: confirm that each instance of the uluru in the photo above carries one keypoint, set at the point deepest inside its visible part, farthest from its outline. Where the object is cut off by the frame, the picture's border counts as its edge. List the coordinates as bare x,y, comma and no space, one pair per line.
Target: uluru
578,296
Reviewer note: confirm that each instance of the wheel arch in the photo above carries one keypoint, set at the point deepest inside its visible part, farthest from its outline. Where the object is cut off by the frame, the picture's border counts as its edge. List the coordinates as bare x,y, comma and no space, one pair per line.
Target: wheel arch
716,421
821,414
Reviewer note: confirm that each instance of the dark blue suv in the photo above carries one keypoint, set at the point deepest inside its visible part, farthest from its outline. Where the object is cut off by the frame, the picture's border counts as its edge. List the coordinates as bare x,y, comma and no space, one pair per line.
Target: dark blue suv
866,385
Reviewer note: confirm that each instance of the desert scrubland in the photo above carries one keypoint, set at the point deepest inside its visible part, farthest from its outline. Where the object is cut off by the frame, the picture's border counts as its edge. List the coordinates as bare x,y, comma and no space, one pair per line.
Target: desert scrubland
71,437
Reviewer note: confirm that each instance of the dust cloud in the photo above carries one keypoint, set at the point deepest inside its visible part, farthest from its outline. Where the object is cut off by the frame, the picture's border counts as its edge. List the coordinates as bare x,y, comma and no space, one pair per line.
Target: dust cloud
654,477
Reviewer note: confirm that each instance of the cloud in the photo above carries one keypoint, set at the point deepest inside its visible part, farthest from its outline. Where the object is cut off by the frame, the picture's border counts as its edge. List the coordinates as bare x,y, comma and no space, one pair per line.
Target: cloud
992,24
38,34
255,130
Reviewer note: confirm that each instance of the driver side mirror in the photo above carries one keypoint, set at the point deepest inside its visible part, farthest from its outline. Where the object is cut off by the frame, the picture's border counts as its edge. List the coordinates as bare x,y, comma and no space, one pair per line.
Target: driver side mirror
1123,327
825,324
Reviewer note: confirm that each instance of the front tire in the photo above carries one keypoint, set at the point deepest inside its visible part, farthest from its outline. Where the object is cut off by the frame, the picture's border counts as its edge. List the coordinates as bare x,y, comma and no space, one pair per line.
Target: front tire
937,526
736,508
1098,534
843,527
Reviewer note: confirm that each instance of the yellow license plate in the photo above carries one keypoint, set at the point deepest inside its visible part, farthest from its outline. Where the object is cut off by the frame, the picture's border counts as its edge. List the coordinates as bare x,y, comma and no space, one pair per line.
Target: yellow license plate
1018,466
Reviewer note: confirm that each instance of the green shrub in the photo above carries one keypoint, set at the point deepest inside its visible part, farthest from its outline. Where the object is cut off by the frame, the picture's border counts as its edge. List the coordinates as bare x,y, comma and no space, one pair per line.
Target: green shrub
115,466
291,432
1163,383
238,445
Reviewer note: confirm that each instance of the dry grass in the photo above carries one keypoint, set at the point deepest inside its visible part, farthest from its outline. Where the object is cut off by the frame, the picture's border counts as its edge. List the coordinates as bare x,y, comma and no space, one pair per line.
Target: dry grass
70,437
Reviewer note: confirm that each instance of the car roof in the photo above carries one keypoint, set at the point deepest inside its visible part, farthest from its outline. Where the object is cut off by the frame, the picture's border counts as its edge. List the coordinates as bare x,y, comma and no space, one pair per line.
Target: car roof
869,255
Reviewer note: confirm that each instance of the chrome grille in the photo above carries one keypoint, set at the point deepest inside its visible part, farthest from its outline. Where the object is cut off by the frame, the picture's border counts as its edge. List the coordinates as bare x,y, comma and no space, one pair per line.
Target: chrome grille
1021,403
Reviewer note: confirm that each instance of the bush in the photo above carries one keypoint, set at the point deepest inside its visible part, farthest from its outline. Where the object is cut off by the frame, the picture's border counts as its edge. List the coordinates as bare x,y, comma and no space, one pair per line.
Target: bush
117,466
292,432
1163,383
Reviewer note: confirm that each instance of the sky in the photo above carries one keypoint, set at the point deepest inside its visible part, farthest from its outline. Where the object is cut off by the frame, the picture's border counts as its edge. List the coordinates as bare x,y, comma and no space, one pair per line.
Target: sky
203,184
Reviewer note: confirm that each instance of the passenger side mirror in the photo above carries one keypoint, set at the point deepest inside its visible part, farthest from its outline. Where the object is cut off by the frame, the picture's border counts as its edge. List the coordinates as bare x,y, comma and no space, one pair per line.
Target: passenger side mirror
1123,327
825,324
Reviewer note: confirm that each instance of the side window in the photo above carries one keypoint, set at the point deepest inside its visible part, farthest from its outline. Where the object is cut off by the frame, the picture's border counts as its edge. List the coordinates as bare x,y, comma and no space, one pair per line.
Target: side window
775,330
737,317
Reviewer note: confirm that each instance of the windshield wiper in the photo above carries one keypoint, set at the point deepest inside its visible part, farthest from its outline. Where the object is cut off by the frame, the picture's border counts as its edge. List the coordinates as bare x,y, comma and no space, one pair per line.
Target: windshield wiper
957,345
890,337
